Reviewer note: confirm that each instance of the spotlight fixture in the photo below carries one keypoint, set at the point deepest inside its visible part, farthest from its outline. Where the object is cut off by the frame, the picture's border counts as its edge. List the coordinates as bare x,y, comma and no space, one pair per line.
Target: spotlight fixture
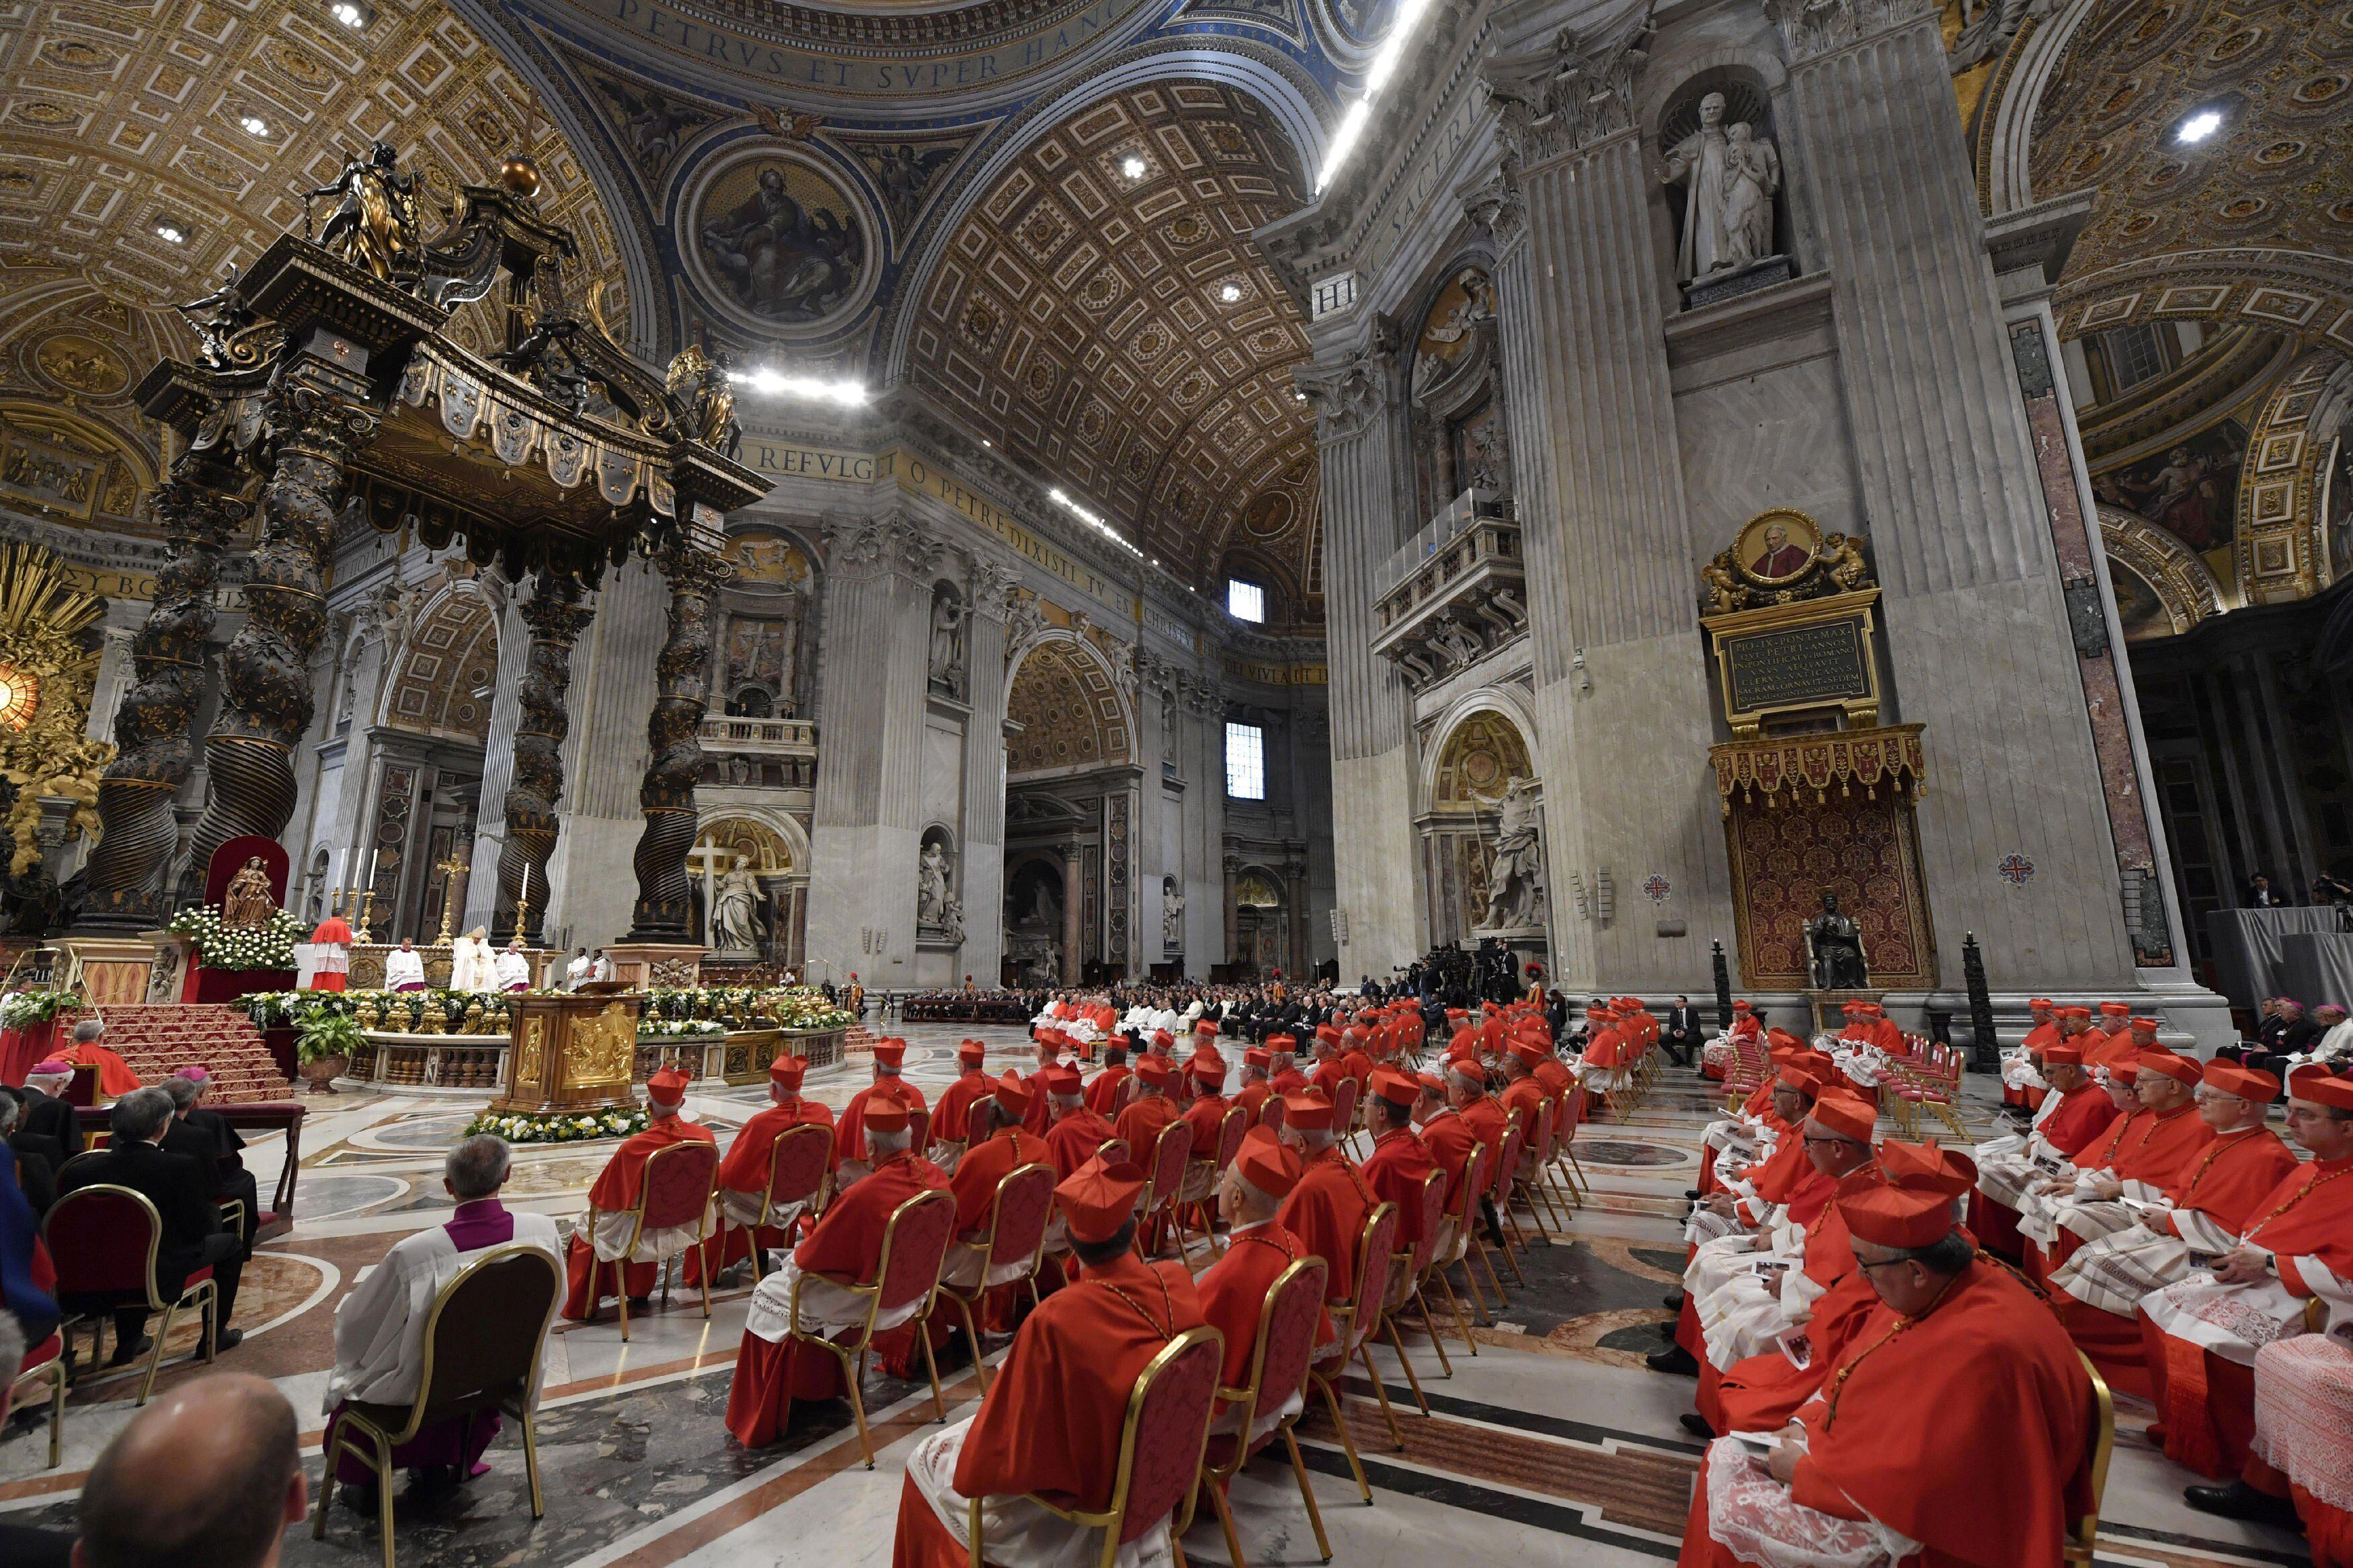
2199,127
775,383
254,125
1092,520
351,14
170,232
1231,293
1133,166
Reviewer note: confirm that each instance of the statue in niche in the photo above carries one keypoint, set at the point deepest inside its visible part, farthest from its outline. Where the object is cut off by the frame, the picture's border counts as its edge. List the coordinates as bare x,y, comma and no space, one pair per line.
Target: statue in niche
933,899
1834,953
246,900
1514,876
947,643
1172,915
736,909
1730,176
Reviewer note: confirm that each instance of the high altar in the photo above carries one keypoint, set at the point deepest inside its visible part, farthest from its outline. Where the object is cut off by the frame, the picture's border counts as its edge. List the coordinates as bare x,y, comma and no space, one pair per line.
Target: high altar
1816,794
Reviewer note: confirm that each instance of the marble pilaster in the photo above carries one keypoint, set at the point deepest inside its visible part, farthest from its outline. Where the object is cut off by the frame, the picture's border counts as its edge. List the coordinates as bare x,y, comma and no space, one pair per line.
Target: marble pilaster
982,887
591,882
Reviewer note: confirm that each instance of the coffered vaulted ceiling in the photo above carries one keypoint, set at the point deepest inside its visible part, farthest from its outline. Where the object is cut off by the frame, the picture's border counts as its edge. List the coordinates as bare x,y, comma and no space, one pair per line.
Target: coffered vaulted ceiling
1077,319
117,119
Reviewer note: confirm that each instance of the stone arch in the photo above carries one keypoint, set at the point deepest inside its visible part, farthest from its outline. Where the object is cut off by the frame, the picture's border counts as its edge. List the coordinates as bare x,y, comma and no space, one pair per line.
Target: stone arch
1495,718
2171,572
1063,693
2280,556
452,653
773,828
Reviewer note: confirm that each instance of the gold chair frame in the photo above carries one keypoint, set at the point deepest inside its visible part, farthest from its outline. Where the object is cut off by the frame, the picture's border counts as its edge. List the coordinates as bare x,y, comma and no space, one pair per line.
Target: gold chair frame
205,1293
53,1373
337,1438
988,1243
816,1201
1110,1520
2083,1534
1209,1204
1215,1476
638,1231
852,1356
1344,1314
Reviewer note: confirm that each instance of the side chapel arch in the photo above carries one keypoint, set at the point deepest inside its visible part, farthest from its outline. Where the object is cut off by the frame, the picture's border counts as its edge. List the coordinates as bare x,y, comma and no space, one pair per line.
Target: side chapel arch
1484,745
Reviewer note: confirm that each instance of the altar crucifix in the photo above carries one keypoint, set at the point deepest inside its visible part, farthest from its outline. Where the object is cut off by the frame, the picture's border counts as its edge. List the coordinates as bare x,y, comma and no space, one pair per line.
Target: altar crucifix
452,872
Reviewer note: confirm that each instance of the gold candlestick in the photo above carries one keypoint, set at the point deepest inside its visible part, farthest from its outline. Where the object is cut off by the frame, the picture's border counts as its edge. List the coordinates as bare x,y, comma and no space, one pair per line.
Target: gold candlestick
451,868
366,898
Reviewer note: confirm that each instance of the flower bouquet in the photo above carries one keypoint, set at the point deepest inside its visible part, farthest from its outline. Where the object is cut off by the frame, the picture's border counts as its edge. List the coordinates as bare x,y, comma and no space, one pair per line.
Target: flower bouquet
22,1009
561,1126
220,946
802,1007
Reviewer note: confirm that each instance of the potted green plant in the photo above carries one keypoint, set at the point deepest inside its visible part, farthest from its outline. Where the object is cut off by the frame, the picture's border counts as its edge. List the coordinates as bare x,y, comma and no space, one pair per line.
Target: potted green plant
325,1049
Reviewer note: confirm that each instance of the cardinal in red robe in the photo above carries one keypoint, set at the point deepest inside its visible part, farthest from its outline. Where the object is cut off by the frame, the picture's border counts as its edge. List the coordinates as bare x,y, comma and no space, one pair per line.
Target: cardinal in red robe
1401,1163
1960,1361
744,1173
1105,1092
950,1137
613,1200
1255,1090
115,1077
1149,1113
1326,1210
890,1056
1233,1290
2203,1333
845,1248
1051,1419
1076,1134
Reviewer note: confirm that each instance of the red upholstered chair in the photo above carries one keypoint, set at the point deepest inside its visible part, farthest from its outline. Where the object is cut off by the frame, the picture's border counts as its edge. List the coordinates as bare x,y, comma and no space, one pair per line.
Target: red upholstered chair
82,1088
1270,1115
1016,1241
906,1281
1201,1176
1507,1163
1344,1110
919,1128
1169,1157
103,1240
1160,1447
1568,1115
677,1190
1464,1214
44,1368
1286,1341
800,1171
1356,1318
1528,1182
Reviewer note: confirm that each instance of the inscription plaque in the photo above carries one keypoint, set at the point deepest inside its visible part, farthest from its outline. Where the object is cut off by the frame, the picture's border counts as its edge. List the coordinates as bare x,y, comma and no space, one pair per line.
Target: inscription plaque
1790,666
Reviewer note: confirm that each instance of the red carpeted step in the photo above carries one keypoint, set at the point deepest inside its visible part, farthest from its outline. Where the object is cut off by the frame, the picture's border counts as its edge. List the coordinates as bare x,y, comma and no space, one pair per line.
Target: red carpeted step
157,1041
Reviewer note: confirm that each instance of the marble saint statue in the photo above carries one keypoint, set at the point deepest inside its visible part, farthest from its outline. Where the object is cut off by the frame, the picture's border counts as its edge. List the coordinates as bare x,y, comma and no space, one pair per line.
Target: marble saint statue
1172,917
735,908
246,900
1729,175
932,900
1513,878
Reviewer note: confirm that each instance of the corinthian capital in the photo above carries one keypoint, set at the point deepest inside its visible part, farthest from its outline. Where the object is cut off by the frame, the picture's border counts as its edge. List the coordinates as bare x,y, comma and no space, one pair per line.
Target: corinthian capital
1569,93
1814,27
1495,206
1346,398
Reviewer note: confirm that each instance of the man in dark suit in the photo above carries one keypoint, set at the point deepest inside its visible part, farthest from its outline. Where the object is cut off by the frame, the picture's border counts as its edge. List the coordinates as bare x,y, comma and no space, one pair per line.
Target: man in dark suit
193,1238
46,1114
1679,1037
199,1134
37,1158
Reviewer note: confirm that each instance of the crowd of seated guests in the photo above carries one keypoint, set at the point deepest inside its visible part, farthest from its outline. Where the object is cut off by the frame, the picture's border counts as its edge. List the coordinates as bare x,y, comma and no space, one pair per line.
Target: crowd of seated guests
2288,1033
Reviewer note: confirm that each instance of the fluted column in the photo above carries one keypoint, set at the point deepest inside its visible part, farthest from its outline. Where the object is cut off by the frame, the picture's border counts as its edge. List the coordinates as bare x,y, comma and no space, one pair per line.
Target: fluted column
1947,478
123,886
556,618
318,416
1372,749
982,886
664,909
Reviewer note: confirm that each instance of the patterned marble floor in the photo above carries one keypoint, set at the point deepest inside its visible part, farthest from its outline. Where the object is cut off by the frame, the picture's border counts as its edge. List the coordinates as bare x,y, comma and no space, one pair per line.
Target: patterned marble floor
1553,1445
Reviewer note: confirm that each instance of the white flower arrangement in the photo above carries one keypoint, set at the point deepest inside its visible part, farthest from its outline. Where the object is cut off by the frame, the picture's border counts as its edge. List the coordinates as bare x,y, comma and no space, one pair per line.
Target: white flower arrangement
220,946
19,1008
561,1127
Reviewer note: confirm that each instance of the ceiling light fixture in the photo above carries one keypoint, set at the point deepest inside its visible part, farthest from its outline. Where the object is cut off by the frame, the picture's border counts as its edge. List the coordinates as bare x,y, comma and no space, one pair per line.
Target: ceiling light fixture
254,125
1093,520
351,14
171,233
2198,126
1351,130
1231,293
1133,166
776,384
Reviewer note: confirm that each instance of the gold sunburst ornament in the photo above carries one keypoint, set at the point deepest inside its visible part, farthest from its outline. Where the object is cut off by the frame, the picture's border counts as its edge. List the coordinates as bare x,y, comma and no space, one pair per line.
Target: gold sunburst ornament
20,690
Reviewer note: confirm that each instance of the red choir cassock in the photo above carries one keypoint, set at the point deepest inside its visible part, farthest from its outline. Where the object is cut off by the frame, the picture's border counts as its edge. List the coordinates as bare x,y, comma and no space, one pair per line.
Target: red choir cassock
2166,1144
746,1168
1148,1115
1907,1416
849,1140
616,1192
115,1077
1005,1151
1326,1210
1401,1163
1233,1290
1074,1139
1102,1094
2205,1401
1051,1419
949,1123
846,1246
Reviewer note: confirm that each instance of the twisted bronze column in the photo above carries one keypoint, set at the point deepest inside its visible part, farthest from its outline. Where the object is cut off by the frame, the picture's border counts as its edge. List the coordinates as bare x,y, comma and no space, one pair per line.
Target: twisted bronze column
664,910
556,620
123,886
316,421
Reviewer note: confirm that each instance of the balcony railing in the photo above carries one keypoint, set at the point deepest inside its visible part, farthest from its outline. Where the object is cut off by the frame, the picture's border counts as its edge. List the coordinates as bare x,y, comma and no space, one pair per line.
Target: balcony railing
1459,602
778,753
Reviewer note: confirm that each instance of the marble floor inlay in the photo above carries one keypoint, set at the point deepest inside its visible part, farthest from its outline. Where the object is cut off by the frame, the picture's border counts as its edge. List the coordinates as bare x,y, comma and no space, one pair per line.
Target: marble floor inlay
1553,1444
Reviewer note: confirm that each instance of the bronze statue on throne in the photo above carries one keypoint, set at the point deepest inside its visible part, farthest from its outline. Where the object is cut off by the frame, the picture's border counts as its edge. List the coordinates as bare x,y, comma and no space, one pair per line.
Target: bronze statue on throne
1834,954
